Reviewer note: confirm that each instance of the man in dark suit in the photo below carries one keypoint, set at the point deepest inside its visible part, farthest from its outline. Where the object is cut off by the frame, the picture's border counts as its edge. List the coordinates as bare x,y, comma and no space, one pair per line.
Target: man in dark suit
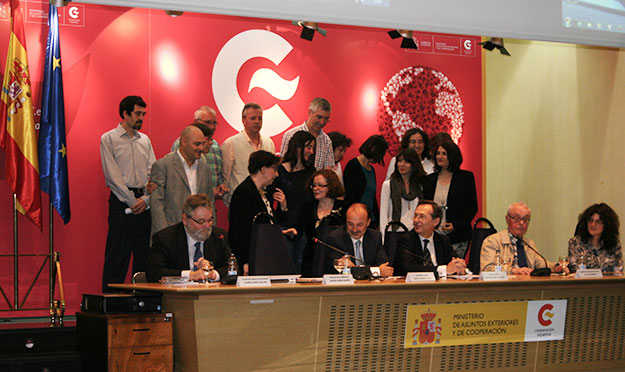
357,240
189,248
423,249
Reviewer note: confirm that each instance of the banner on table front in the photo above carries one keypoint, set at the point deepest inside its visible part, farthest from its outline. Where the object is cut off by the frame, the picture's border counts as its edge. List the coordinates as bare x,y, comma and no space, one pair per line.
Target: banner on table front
484,323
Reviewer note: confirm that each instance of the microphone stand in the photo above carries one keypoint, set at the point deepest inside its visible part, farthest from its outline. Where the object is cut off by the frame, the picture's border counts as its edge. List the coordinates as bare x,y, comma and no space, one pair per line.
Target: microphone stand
545,271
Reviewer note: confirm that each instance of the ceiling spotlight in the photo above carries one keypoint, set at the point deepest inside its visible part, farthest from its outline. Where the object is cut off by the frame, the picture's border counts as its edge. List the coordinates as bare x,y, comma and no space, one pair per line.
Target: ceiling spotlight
59,3
407,41
173,13
495,42
309,28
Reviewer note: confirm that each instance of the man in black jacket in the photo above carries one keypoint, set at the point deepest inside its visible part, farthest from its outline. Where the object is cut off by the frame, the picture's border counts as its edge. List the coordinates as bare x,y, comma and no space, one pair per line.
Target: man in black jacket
423,248
189,247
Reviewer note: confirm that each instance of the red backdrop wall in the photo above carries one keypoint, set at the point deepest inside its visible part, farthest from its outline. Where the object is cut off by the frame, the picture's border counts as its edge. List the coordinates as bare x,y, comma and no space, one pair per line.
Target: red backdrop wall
111,52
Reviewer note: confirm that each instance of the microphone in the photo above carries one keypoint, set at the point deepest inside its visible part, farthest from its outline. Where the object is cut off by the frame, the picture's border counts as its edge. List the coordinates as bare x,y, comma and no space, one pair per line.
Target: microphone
433,269
362,272
223,239
545,271
316,240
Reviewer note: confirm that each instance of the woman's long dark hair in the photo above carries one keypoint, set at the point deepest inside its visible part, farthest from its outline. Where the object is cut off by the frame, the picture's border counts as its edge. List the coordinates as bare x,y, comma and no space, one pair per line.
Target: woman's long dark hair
296,148
417,174
609,236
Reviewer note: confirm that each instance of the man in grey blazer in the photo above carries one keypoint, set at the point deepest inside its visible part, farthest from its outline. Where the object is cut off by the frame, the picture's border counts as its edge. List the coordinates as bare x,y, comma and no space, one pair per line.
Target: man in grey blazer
177,175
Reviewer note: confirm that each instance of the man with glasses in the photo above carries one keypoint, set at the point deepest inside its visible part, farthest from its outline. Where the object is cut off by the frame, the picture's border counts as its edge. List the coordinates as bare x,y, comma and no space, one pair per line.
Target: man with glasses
318,117
127,156
177,175
516,253
192,248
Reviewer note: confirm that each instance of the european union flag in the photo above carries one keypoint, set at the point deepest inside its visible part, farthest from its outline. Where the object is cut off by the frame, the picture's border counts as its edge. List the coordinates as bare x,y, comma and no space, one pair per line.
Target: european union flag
52,147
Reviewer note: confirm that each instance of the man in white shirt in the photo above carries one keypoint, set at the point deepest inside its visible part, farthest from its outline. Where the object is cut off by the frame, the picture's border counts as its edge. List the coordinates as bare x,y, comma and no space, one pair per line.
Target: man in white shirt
236,150
127,156
178,175
319,112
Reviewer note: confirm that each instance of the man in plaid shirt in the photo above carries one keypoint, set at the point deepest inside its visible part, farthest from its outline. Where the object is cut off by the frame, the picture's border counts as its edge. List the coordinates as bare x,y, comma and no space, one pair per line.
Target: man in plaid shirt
318,116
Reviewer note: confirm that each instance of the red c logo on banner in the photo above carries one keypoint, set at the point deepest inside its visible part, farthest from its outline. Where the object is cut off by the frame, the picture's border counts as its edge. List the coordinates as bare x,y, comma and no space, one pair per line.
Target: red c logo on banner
542,313
238,50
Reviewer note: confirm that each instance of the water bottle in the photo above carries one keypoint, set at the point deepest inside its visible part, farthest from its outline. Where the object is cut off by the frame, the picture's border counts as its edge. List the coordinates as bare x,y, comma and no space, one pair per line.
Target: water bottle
233,267
582,263
497,261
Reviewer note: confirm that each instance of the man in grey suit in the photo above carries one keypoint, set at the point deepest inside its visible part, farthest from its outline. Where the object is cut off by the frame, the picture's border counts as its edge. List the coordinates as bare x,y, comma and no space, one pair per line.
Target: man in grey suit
177,175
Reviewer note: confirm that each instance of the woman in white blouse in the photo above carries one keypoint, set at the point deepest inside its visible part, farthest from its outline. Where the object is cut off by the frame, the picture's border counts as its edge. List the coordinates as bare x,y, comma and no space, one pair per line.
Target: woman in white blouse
401,193
415,139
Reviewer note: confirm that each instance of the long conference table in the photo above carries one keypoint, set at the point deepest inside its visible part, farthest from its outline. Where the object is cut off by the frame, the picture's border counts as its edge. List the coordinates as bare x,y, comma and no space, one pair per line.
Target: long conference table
361,327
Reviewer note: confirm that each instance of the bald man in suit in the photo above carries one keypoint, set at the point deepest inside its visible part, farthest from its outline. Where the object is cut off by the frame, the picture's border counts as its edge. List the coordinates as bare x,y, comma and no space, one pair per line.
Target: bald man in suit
178,175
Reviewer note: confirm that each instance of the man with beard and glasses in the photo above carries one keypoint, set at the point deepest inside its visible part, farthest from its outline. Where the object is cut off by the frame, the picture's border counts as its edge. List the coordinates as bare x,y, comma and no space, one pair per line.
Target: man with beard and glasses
193,248
127,157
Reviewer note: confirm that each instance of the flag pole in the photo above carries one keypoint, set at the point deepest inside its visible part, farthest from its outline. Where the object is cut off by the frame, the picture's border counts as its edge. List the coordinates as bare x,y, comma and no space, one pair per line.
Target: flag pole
51,253
16,272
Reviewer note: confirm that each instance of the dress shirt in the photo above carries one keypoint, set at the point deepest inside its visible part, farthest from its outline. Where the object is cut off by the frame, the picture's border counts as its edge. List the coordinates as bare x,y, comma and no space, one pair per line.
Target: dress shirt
324,155
430,248
126,162
360,255
191,249
236,152
214,160
191,172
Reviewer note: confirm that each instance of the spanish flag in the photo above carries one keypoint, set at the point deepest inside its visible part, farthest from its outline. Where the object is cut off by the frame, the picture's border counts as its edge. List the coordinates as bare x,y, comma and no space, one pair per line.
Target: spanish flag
17,125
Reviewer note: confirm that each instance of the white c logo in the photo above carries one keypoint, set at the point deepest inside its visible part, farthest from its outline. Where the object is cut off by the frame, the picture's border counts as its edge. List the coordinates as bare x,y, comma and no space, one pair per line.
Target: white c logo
238,50
468,45
73,12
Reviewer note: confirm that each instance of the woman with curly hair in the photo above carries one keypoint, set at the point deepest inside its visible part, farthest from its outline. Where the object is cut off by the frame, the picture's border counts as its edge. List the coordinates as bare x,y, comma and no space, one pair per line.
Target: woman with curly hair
596,242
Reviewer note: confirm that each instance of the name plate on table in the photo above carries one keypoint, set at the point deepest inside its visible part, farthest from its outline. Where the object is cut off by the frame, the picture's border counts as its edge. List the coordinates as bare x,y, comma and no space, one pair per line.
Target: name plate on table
493,275
420,277
253,281
338,279
588,273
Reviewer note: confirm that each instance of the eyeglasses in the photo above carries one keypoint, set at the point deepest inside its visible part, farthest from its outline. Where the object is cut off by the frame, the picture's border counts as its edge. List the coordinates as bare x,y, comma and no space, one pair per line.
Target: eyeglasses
202,221
206,122
318,185
598,221
518,219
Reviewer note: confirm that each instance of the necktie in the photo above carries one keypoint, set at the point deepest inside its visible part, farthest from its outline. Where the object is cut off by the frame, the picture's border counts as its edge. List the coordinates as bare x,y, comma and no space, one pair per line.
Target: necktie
197,255
520,253
358,252
427,259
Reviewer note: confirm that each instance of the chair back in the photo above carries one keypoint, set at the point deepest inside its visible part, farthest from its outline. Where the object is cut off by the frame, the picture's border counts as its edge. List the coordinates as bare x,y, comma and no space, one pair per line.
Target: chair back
327,225
391,238
475,245
268,252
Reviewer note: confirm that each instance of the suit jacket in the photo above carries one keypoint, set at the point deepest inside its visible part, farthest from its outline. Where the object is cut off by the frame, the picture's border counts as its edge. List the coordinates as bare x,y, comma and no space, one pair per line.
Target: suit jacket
245,204
500,241
372,248
406,262
169,254
173,189
461,202
355,182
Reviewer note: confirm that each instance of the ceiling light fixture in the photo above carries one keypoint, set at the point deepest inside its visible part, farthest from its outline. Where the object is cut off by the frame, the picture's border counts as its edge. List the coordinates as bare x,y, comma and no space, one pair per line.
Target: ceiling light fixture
309,28
407,41
495,42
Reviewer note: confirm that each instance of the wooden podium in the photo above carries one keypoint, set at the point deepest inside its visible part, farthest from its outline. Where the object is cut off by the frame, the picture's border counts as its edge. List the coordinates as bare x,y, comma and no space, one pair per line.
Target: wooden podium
311,327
